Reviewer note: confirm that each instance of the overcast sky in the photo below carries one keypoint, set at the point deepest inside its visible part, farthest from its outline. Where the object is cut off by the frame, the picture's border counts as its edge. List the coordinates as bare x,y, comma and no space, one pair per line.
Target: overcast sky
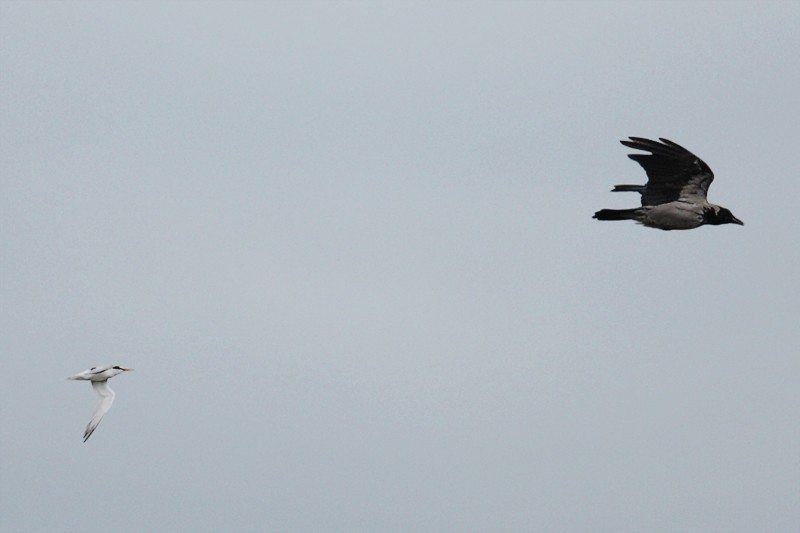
348,249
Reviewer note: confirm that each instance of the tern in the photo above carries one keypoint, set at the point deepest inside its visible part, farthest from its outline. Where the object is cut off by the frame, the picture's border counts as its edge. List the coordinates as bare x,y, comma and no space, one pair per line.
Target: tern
99,375
675,194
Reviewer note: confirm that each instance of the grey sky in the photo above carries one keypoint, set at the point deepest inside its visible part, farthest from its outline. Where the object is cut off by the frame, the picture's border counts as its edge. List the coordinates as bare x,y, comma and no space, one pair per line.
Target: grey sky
348,249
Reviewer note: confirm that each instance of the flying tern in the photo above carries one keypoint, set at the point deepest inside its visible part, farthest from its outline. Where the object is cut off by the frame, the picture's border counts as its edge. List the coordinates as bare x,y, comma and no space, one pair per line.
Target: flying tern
99,375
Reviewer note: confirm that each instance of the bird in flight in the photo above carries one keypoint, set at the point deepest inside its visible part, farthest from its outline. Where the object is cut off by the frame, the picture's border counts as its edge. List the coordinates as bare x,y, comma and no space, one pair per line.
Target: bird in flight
674,196
99,375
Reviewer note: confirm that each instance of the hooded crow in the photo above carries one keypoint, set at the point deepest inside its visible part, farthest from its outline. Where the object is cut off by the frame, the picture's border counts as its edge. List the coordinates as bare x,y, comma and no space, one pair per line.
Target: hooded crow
674,196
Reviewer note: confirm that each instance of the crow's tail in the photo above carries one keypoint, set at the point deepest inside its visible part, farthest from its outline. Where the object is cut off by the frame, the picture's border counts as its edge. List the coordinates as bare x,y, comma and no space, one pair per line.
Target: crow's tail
616,214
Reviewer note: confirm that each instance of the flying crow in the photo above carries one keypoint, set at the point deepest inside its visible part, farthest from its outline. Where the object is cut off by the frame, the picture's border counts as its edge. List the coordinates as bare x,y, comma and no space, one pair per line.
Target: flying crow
675,194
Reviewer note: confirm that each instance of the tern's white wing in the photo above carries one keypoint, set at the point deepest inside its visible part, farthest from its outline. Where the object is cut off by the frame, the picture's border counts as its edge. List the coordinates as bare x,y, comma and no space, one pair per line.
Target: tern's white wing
106,398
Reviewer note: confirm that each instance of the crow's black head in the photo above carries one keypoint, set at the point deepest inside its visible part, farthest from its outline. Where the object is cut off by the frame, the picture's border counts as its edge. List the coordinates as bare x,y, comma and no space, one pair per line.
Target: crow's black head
716,215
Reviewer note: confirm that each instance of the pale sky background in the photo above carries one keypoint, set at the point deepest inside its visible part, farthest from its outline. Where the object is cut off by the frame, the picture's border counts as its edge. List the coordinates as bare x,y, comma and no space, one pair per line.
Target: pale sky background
348,249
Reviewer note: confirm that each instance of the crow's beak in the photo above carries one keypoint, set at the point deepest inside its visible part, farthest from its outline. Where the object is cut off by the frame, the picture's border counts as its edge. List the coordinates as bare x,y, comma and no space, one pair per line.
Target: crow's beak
737,221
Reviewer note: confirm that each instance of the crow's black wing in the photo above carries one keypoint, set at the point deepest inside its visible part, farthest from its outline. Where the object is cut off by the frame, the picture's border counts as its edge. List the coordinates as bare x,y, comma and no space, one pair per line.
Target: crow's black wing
673,172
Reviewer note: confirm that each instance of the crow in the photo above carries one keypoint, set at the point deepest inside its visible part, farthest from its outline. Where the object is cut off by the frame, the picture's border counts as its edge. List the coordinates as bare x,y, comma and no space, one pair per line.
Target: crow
675,194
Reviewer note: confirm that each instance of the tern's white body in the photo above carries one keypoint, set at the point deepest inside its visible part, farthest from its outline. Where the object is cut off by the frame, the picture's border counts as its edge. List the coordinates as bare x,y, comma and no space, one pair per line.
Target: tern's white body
99,376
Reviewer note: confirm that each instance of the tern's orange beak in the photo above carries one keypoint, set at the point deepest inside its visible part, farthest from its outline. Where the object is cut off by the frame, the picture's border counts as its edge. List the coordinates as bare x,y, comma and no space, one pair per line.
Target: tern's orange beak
127,369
